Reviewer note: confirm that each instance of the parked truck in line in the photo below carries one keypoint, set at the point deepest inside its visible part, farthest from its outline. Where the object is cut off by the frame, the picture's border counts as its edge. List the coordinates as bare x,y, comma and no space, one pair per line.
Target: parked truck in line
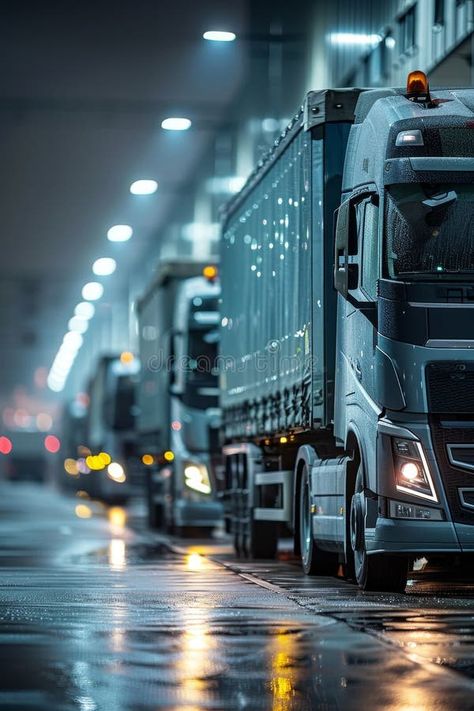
179,417
348,343
110,431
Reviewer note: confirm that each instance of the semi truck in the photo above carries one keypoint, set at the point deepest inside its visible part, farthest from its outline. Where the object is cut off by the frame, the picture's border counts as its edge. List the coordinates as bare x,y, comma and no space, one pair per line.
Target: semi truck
347,336
110,431
179,418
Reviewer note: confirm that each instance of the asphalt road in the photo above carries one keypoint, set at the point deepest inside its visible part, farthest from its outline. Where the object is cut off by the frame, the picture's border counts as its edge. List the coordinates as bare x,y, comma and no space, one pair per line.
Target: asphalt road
98,615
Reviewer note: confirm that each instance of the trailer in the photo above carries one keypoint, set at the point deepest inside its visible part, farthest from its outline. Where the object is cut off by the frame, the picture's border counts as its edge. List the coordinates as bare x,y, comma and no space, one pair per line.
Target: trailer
347,336
179,418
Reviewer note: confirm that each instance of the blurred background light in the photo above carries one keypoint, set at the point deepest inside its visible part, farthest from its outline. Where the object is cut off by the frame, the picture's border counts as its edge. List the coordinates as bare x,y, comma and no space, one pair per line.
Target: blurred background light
44,422
354,38
52,444
92,291
5,445
85,310
176,124
104,266
219,36
78,324
72,340
119,233
144,187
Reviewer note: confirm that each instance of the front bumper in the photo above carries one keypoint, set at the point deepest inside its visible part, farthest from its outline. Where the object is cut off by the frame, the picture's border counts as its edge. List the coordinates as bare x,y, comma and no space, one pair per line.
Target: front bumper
206,514
398,536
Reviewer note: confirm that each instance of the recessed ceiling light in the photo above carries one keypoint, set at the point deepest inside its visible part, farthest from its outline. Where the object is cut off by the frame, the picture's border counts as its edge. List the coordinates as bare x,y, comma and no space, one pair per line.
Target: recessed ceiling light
176,124
219,36
104,266
119,233
85,310
92,291
72,341
144,187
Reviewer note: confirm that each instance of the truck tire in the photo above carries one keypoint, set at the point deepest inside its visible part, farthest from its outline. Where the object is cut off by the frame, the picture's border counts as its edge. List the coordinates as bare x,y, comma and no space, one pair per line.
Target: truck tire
381,573
262,540
314,560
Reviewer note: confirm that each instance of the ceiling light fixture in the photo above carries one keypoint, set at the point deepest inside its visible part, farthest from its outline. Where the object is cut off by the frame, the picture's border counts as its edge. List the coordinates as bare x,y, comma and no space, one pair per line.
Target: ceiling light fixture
219,36
144,186
176,124
119,233
92,291
85,310
104,266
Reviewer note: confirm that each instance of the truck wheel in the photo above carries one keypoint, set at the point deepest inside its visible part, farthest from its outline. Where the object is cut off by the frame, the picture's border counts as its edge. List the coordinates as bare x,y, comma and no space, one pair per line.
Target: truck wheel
314,560
382,573
262,540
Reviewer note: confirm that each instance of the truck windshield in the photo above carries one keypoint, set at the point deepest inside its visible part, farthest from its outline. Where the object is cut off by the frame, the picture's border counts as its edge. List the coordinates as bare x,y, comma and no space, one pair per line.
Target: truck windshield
429,230
201,375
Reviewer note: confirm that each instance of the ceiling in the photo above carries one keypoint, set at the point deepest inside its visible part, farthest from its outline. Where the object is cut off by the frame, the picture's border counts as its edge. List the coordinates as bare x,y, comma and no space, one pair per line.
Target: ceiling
85,89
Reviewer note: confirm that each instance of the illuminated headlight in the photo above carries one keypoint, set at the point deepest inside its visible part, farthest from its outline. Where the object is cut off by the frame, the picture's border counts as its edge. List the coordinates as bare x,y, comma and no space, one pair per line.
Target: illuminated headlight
196,477
411,469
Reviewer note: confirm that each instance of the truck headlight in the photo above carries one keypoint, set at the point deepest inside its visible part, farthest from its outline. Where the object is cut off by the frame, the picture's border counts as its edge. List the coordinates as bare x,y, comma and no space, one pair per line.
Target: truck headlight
411,469
196,477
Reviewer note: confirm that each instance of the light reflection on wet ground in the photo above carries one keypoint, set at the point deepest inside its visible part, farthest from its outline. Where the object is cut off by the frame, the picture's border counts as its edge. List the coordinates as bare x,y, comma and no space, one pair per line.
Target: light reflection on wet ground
97,617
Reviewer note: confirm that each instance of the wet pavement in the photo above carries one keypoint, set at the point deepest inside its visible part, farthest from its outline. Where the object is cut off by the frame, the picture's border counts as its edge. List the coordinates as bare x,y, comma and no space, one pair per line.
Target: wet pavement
95,614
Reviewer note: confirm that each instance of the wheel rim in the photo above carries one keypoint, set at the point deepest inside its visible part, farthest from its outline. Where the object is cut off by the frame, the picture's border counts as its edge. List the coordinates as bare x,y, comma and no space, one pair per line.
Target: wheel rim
305,524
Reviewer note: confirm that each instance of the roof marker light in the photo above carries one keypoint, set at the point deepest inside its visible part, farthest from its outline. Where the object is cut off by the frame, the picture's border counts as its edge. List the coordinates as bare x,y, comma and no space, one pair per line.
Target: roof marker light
410,138
418,88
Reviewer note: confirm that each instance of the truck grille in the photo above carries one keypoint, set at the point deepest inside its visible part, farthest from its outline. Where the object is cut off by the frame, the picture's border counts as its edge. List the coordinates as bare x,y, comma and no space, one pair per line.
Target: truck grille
450,387
453,445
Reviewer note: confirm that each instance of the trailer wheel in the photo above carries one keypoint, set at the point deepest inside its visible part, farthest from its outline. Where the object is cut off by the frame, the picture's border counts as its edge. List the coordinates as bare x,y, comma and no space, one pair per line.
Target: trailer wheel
262,540
382,573
314,560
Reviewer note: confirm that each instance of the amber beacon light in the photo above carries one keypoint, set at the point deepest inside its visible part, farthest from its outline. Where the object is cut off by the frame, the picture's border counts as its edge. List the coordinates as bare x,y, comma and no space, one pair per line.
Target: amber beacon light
418,88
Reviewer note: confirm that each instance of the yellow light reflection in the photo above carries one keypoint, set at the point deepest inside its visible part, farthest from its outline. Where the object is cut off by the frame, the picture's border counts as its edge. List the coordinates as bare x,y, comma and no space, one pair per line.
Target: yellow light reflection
196,665
194,561
83,511
117,517
117,554
284,649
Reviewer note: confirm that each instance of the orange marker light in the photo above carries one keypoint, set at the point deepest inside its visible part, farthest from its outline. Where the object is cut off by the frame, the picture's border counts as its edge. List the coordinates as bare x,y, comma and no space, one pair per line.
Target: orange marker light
210,272
147,460
418,88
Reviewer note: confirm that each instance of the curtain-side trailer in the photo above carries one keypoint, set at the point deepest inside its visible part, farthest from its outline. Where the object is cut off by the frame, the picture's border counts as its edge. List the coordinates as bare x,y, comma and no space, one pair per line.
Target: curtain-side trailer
348,344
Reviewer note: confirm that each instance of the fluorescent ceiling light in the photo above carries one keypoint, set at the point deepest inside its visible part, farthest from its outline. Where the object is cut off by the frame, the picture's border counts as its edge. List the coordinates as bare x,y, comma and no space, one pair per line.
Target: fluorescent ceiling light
176,124
354,38
78,324
144,187
104,266
92,291
72,340
85,310
119,233
221,185
219,36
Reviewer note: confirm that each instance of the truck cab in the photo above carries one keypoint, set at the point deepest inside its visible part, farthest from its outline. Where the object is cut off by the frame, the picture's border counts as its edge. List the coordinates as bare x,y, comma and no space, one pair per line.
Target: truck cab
404,269
180,415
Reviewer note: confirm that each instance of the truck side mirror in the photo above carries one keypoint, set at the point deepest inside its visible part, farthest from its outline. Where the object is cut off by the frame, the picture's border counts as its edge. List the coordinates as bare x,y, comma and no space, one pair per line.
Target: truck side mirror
346,273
